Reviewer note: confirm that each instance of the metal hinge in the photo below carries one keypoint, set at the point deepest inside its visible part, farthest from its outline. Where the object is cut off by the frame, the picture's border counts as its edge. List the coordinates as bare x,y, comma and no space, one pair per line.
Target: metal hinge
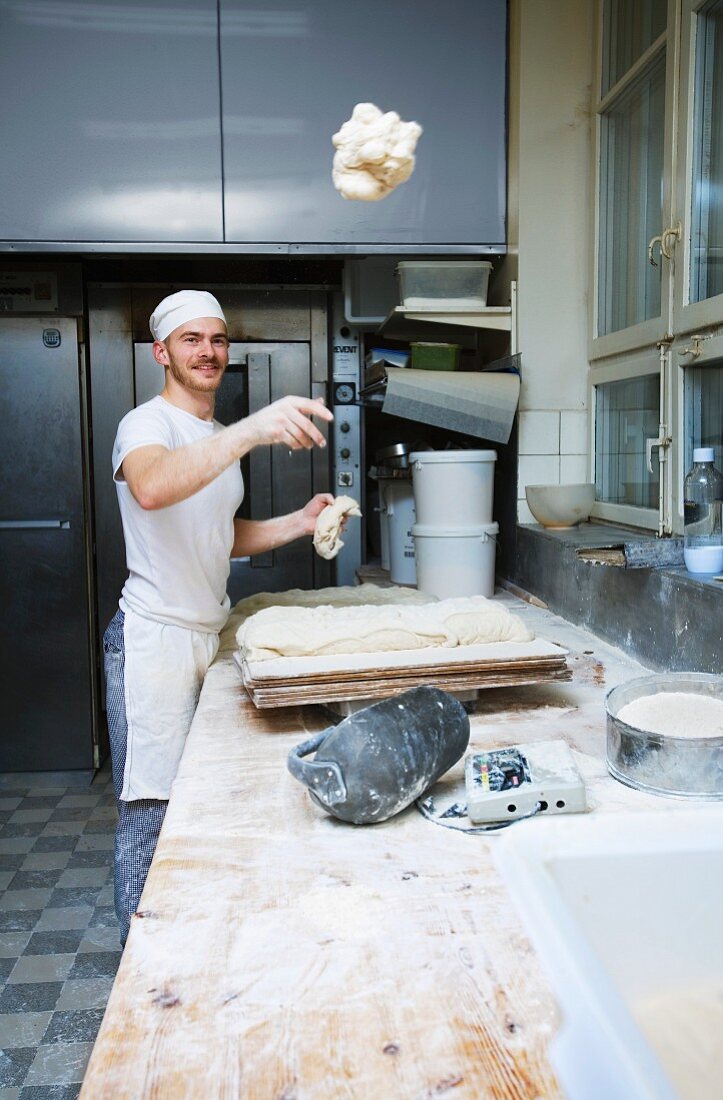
662,442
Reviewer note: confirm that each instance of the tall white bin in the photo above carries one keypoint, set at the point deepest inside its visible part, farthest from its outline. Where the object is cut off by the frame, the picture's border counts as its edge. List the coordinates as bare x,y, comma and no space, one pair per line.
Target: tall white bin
399,497
384,483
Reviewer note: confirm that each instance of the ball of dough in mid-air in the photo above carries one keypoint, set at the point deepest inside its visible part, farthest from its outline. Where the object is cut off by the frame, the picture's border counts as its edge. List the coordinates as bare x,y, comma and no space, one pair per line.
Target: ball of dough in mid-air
374,153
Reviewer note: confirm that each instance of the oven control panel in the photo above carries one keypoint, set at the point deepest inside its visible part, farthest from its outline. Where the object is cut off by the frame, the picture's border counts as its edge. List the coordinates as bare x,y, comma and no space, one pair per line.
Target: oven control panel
347,461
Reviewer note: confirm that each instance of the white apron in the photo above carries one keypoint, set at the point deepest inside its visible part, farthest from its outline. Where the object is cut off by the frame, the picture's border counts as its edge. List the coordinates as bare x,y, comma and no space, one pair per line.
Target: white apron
164,670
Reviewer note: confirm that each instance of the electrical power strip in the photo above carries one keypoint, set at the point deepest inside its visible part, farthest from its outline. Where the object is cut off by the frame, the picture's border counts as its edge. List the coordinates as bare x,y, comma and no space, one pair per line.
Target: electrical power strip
505,784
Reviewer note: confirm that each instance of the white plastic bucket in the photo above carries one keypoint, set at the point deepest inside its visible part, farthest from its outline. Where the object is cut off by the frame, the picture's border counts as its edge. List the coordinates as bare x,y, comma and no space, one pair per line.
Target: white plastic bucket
401,518
456,561
384,483
453,488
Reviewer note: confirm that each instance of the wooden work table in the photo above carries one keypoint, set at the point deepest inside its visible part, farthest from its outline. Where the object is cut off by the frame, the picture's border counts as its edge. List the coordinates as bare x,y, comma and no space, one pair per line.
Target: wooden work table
280,954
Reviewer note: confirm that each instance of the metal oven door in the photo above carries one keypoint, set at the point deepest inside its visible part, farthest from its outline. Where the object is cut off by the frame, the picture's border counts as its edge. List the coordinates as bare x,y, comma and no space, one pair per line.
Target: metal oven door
276,481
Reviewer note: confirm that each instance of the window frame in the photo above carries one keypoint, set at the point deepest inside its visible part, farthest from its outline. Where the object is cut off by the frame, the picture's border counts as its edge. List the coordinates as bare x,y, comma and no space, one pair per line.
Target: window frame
655,328
637,365
687,316
710,354
643,348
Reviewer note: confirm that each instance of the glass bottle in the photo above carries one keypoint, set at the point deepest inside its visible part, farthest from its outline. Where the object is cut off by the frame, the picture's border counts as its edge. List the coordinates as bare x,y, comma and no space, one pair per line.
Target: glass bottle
702,506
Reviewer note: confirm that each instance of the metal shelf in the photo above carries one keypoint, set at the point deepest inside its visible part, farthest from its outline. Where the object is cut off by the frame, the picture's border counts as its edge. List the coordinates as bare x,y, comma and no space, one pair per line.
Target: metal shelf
405,324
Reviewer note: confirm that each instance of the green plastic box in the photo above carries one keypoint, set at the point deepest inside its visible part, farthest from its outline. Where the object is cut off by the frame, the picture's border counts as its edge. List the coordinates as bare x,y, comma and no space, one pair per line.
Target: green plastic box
435,356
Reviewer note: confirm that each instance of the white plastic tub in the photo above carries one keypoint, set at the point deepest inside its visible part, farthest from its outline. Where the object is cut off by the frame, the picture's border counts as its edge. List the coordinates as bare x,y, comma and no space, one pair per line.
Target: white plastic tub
399,499
384,484
453,285
456,561
625,911
453,488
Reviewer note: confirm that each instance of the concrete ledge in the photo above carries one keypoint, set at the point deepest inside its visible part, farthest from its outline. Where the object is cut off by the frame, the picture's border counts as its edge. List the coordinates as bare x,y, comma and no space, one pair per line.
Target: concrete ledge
662,616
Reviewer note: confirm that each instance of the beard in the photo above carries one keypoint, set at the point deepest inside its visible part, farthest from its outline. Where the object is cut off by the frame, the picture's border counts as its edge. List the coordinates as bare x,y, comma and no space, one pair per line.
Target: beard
188,376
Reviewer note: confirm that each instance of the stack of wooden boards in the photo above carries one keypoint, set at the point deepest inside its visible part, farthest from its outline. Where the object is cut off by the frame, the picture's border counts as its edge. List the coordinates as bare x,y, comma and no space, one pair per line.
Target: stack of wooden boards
291,681
299,677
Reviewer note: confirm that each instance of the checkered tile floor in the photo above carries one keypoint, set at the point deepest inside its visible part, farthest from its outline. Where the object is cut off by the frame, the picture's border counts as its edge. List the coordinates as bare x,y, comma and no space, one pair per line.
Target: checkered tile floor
59,945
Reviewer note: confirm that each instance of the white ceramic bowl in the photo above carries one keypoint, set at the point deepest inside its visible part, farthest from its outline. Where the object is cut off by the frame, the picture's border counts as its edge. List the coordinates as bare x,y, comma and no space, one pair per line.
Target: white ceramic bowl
560,505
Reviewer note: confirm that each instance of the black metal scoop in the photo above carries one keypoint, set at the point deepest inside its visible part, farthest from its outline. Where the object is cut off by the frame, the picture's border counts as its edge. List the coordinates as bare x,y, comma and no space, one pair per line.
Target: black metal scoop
379,760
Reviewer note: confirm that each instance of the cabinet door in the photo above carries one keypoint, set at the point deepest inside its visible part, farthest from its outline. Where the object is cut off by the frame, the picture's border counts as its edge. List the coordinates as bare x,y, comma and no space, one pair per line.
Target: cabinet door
111,122
291,75
47,705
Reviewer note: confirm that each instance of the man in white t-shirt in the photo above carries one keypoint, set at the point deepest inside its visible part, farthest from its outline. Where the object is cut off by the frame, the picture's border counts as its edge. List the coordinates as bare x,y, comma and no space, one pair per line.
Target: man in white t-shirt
179,486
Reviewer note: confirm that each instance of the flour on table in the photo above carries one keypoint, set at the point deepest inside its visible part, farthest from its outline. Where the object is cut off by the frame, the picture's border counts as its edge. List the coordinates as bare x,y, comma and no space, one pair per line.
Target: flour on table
343,910
374,153
685,1029
329,522
675,714
314,631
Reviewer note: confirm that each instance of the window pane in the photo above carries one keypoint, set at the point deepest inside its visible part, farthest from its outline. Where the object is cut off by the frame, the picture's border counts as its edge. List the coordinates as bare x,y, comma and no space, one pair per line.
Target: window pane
704,411
626,414
628,30
631,169
706,276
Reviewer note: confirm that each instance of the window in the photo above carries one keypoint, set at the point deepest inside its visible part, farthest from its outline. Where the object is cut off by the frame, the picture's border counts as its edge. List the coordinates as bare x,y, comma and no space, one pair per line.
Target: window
655,359
627,415
706,253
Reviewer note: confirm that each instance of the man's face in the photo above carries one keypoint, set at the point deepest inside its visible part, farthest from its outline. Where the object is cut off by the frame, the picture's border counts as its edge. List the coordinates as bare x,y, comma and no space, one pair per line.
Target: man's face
196,353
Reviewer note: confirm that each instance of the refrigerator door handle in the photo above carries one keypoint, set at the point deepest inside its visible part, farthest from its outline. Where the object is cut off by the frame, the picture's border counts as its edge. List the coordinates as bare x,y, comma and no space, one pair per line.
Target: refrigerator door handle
23,524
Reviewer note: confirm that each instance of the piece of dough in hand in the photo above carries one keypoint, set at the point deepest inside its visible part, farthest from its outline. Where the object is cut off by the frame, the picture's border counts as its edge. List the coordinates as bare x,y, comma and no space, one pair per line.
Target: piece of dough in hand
327,533
374,153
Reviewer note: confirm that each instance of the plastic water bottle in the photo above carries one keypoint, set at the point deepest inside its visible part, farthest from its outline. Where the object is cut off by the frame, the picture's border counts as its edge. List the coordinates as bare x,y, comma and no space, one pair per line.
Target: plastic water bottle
702,505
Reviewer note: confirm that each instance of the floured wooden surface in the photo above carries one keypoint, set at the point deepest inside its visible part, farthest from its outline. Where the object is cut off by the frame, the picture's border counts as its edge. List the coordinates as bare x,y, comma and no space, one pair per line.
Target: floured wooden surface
282,954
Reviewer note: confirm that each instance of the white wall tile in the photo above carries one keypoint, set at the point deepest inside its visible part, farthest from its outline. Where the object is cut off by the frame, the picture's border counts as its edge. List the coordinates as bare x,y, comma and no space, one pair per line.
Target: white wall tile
573,432
539,433
524,515
574,469
537,470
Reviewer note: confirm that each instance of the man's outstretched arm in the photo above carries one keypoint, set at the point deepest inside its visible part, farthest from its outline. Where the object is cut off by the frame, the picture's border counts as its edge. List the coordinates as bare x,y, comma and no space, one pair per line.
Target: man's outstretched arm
256,536
158,477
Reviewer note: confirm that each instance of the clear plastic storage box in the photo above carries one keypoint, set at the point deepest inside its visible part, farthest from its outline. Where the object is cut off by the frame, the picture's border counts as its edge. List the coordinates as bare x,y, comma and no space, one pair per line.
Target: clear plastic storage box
454,285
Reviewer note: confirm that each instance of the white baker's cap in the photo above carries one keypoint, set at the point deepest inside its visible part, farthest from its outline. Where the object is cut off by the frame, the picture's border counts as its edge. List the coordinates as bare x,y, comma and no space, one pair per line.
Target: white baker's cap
184,305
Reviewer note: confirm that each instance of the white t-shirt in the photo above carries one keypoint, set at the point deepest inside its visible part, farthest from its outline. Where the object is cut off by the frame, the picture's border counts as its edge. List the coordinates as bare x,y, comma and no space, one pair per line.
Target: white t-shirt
178,557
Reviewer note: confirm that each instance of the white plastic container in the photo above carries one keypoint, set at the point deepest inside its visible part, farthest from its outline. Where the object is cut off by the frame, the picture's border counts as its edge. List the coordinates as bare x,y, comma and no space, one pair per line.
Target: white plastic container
624,911
456,561
454,285
453,488
400,519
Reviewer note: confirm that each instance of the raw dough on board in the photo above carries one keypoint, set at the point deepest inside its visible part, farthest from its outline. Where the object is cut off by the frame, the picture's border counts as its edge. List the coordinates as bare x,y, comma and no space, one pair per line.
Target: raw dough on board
374,153
312,631
327,534
343,596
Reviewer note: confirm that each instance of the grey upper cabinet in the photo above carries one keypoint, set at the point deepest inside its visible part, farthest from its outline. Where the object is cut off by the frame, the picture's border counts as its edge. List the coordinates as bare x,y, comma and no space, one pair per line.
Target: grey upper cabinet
110,122
292,73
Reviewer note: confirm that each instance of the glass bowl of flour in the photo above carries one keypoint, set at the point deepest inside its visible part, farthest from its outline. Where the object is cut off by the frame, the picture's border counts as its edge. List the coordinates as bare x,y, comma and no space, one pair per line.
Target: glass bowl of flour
665,734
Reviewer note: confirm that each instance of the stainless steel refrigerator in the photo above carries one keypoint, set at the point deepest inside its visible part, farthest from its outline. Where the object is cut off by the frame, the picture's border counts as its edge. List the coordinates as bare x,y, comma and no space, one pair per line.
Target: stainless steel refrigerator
47,712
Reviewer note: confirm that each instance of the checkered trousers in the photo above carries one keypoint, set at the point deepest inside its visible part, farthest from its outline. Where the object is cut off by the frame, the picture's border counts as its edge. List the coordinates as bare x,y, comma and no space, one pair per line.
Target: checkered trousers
139,821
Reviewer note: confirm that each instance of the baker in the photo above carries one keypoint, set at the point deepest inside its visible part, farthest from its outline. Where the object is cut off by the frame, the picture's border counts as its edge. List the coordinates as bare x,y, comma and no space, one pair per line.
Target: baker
179,486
